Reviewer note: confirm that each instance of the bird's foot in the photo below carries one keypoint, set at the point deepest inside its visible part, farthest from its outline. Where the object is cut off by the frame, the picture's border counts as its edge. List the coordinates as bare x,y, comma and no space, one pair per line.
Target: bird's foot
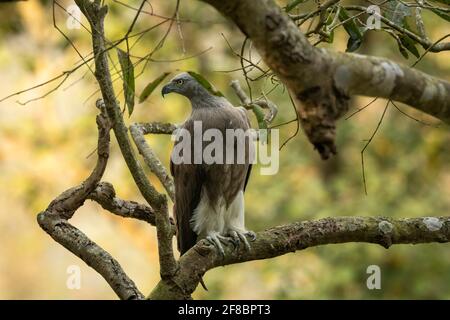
251,235
238,236
216,239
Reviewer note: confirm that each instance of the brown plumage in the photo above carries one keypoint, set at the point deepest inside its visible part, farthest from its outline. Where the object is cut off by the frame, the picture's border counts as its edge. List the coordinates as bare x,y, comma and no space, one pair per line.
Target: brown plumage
215,180
209,201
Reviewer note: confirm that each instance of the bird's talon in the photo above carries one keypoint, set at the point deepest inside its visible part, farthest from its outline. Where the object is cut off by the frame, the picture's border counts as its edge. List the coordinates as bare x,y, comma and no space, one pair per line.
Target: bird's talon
235,239
251,235
215,240
234,243
241,236
225,240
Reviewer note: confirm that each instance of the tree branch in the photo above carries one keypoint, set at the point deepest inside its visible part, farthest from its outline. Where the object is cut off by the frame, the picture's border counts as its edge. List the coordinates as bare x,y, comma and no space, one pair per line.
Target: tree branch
105,195
137,131
248,104
322,80
95,12
157,128
423,40
280,240
54,221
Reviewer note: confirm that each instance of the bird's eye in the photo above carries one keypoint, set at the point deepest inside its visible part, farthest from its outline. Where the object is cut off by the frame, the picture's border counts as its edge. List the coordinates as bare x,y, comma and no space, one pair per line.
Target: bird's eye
179,82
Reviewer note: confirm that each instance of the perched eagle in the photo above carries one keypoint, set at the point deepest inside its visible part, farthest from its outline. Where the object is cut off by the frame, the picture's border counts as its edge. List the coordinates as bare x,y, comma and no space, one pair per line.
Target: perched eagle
209,197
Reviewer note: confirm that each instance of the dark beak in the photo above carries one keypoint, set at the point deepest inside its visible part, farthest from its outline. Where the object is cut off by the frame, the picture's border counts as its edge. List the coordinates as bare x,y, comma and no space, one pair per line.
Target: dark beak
166,89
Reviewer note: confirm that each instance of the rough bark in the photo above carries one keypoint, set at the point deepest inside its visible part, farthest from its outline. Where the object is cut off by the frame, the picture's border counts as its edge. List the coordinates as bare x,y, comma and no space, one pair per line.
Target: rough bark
96,12
54,220
105,195
298,236
321,80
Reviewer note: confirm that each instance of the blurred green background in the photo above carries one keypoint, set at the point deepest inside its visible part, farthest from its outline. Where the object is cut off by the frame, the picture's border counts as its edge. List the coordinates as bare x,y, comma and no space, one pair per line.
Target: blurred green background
45,144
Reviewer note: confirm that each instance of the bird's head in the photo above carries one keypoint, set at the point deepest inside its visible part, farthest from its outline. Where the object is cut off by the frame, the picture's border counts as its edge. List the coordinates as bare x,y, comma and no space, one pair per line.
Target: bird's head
185,85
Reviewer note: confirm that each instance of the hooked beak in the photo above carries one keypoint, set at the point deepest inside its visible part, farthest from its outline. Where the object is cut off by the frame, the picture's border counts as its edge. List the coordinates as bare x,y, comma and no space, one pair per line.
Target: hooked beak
166,89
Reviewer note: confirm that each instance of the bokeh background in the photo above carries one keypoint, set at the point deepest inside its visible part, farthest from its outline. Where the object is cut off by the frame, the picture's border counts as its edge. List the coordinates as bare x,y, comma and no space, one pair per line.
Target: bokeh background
45,144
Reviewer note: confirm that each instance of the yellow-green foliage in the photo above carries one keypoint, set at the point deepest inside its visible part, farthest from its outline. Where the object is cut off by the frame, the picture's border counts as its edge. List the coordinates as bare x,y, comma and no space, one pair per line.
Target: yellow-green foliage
45,146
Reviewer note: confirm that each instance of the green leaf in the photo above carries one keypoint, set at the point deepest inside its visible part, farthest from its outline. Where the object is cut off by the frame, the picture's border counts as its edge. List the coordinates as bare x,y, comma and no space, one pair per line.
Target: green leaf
349,25
403,51
409,44
291,5
401,48
128,79
205,83
442,14
329,19
353,44
262,125
151,87
330,37
352,29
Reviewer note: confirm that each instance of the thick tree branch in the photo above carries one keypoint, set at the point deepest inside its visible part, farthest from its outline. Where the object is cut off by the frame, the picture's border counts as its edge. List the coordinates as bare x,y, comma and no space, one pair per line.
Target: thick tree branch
322,80
280,240
54,221
91,253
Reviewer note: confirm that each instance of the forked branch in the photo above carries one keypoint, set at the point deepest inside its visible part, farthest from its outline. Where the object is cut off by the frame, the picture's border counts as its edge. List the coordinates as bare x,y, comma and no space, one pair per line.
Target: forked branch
289,55
54,220
95,12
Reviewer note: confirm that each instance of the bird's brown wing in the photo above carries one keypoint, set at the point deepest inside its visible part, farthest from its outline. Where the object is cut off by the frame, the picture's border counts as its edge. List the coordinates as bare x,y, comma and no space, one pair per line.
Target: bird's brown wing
188,180
188,186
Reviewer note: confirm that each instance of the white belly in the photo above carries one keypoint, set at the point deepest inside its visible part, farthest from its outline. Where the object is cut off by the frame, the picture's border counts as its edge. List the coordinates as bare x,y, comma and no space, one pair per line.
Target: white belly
212,219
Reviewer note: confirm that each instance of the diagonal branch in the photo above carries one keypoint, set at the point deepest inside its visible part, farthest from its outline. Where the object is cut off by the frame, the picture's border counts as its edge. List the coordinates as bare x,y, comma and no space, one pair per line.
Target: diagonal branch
95,13
280,240
54,221
138,131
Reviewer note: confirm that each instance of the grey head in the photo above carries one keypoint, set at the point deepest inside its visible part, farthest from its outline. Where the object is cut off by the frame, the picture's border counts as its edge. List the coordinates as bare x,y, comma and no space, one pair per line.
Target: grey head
186,85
